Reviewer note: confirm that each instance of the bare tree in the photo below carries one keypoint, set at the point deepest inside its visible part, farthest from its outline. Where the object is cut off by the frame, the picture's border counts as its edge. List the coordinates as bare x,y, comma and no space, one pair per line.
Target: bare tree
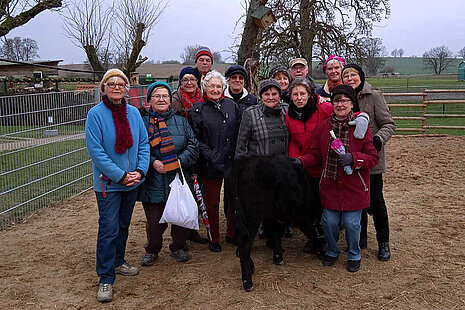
115,34
312,28
19,49
437,59
88,24
401,52
373,52
15,13
395,53
189,52
462,53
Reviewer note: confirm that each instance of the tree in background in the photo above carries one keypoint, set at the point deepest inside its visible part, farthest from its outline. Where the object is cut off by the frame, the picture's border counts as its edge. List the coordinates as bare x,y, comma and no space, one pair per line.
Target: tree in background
189,52
395,53
113,35
15,13
437,59
401,52
19,49
373,51
311,29
462,53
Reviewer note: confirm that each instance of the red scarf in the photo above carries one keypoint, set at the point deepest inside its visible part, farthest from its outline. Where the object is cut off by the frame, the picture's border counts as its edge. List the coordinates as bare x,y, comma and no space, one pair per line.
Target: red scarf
120,119
187,100
331,85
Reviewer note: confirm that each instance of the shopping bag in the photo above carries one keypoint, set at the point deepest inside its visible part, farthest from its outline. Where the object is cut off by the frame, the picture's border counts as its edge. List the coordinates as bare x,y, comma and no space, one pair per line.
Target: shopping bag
181,208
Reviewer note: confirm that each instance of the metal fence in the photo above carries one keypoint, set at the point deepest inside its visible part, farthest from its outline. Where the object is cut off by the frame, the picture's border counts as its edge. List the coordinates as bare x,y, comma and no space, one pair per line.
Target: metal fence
43,154
42,151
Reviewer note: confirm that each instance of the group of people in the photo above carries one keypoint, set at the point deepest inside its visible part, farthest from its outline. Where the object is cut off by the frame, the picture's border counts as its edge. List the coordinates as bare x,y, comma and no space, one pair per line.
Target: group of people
212,119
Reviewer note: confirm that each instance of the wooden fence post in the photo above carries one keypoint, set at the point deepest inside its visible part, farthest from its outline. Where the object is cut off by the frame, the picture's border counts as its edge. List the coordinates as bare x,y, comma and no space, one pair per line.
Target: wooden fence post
423,121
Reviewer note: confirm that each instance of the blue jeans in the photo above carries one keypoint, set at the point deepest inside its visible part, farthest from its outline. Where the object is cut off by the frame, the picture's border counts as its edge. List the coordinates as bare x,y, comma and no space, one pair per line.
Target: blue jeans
350,221
115,213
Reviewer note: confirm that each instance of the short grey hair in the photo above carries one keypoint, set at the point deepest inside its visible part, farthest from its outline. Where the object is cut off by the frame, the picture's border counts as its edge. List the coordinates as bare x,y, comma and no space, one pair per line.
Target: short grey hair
213,74
301,82
334,60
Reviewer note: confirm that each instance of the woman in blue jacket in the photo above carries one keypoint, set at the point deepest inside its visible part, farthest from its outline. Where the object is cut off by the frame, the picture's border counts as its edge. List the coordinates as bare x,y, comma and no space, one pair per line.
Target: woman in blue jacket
171,138
117,143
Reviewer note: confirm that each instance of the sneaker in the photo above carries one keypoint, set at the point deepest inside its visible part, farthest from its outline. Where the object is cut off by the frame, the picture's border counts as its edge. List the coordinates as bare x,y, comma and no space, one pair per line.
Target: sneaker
329,261
384,253
278,258
289,231
353,265
197,238
105,292
148,259
214,247
126,270
180,255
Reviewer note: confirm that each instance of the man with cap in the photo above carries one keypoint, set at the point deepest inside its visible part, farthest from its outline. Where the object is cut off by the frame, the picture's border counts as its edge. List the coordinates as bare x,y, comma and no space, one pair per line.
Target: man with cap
298,68
332,67
263,132
236,77
203,63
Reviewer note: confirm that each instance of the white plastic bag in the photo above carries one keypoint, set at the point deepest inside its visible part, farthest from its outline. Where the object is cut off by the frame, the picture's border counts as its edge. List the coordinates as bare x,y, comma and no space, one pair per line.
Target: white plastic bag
181,208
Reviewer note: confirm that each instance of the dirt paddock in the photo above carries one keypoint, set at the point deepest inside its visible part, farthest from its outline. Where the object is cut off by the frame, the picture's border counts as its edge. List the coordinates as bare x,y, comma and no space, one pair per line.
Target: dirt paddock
48,262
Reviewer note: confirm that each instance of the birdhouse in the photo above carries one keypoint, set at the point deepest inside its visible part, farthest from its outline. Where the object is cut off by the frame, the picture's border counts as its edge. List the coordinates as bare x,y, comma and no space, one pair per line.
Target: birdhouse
263,17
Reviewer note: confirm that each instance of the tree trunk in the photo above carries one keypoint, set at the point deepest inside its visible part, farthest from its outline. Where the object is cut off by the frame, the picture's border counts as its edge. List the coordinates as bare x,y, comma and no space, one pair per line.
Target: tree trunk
132,64
306,34
94,61
250,34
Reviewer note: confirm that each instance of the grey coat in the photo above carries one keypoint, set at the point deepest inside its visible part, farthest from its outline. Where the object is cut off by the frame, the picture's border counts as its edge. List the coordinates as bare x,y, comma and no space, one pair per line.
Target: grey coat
263,131
372,102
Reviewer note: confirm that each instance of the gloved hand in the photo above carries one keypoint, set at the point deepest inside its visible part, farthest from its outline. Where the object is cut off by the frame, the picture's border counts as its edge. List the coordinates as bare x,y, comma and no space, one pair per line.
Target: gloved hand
361,125
377,143
345,159
295,161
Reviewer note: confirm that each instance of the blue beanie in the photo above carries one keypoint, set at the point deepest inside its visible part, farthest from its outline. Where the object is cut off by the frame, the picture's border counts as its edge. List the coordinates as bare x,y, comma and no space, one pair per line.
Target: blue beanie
187,70
159,84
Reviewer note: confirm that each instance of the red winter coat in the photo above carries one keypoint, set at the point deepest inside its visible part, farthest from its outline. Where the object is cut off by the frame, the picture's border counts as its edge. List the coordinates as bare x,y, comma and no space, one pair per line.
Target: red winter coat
300,133
347,192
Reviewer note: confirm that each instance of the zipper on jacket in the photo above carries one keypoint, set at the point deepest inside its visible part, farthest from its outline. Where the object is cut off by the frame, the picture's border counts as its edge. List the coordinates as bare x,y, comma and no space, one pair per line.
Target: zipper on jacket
363,182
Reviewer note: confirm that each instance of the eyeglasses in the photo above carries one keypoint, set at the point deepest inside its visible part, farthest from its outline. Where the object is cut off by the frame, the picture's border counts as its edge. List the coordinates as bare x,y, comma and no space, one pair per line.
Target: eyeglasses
343,101
215,86
158,97
113,85
193,81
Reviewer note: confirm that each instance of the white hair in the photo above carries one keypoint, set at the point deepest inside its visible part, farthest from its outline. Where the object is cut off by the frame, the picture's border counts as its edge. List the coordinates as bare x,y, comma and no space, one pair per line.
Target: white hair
334,60
213,74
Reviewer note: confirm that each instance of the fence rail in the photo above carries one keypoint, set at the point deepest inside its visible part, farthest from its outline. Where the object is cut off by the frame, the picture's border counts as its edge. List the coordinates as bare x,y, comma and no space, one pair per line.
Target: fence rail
426,112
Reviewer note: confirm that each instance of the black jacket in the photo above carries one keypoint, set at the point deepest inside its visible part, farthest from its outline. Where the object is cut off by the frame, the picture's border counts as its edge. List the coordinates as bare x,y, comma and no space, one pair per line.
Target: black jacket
216,130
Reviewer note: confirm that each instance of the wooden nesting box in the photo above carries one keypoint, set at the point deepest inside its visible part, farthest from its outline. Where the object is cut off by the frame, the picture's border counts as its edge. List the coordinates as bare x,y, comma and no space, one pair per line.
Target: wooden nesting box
263,17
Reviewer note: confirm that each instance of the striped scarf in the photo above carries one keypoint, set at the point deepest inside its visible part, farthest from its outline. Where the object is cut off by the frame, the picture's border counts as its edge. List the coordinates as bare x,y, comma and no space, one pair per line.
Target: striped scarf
341,130
160,135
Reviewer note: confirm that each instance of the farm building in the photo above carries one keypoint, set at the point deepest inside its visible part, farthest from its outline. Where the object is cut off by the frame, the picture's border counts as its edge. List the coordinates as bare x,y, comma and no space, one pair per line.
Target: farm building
27,68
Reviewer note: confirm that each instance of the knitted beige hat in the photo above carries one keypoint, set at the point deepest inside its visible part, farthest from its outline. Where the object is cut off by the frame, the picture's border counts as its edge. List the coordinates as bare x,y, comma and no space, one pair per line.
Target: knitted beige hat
112,73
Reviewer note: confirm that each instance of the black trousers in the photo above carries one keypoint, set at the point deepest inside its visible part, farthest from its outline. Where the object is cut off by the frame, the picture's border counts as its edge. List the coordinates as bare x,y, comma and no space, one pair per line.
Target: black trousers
377,209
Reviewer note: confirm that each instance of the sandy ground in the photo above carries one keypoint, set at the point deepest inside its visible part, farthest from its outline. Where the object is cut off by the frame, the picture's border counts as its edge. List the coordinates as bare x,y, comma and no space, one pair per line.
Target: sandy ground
48,262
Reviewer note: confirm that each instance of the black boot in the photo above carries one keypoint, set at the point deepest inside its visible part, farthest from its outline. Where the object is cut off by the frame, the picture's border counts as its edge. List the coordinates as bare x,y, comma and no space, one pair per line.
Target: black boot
384,253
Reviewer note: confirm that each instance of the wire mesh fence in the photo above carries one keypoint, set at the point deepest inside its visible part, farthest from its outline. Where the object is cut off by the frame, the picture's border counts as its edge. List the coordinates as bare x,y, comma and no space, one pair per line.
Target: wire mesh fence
42,151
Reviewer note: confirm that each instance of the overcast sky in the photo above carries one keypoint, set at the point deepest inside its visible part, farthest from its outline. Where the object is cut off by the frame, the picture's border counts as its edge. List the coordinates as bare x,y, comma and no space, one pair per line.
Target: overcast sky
414,25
